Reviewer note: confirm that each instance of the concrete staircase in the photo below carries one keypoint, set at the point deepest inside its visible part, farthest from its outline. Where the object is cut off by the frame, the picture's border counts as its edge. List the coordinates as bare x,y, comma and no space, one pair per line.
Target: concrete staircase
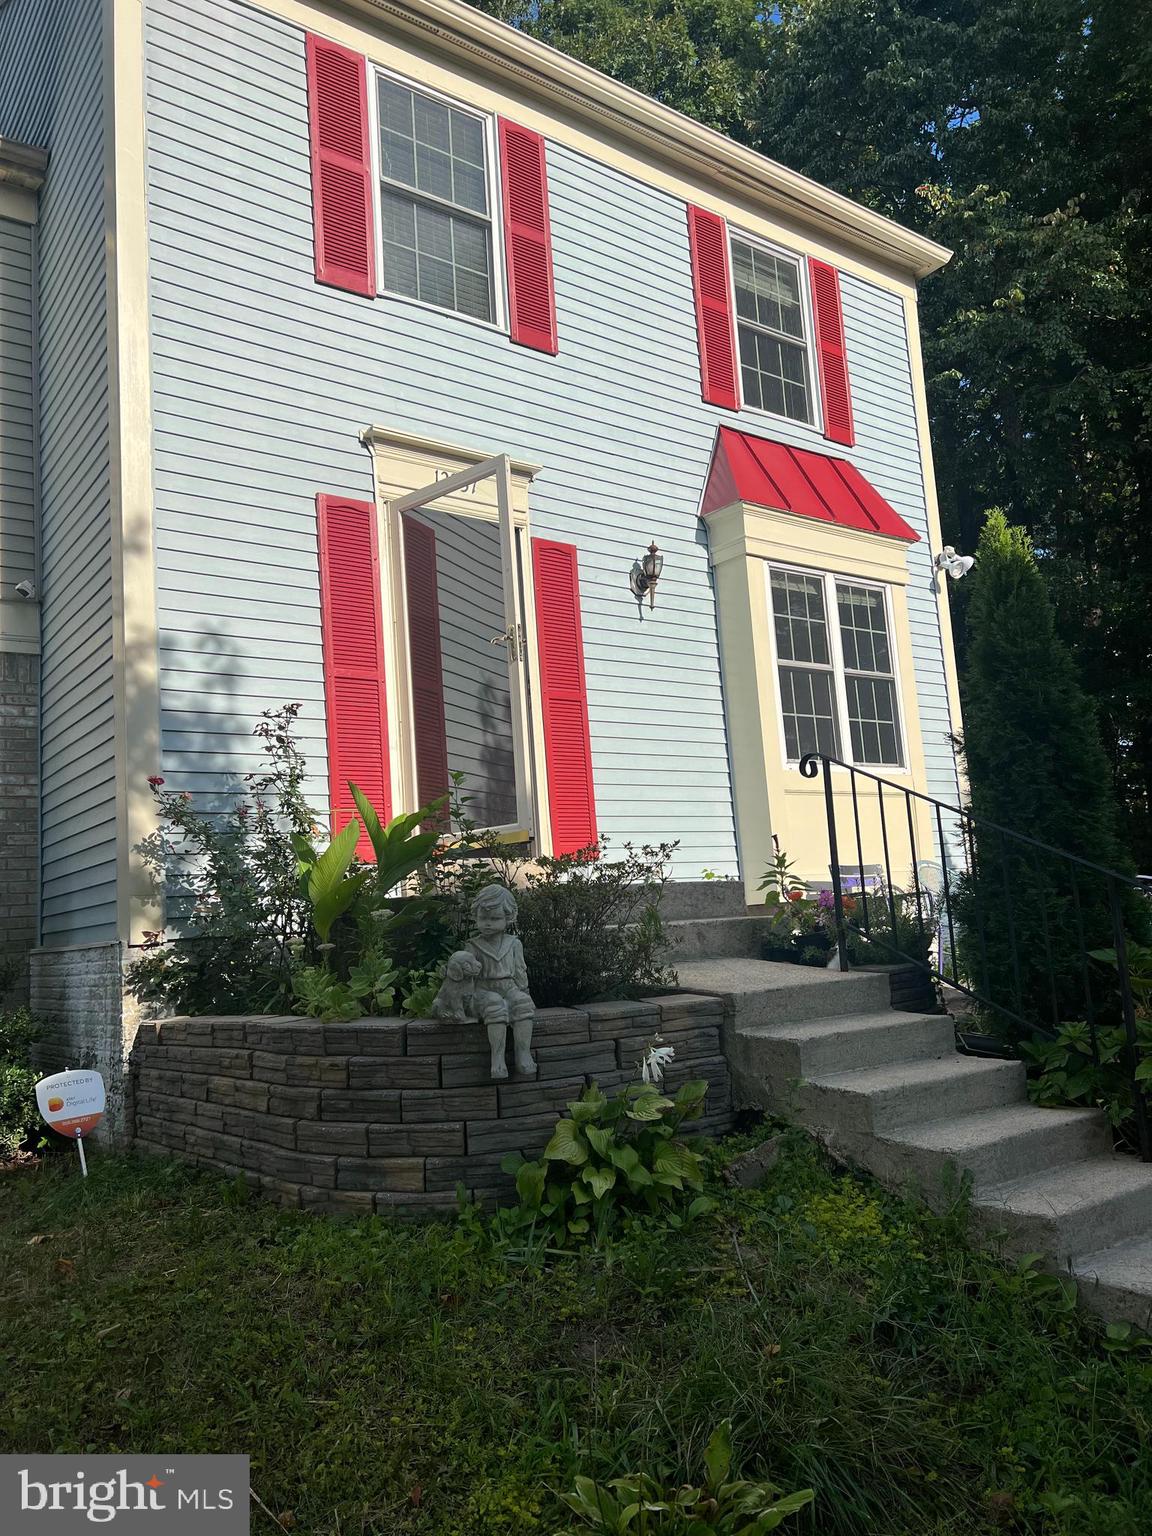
888,1092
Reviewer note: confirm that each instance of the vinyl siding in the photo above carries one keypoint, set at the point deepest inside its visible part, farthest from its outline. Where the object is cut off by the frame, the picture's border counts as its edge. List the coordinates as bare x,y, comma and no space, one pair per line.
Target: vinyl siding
262,380
51,95
17,410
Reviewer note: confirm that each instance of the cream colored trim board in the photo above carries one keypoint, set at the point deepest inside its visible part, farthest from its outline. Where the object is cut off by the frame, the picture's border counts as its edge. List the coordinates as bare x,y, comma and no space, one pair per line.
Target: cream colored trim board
770,795
491,66
947,646
403,462
135,653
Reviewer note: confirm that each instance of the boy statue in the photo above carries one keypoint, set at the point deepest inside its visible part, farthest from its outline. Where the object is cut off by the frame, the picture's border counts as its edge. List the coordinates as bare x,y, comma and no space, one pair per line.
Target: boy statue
501,995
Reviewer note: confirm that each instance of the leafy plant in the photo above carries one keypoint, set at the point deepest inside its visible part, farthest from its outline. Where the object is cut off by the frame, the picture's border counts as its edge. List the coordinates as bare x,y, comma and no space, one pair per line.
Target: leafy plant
608,1160
18,1112
779,880
369,989
230,882
638,1505
420,989
329,888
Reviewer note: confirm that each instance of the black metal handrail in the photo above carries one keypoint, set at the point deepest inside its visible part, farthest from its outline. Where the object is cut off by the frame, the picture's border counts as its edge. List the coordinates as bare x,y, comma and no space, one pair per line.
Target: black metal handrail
1052,972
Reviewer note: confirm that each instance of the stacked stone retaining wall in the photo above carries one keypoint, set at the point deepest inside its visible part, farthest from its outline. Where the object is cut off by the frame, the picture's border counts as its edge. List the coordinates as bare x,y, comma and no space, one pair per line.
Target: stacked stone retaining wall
392,1114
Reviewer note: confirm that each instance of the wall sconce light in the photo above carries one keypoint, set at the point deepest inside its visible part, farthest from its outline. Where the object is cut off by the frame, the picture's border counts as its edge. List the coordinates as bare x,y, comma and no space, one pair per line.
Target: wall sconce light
645,574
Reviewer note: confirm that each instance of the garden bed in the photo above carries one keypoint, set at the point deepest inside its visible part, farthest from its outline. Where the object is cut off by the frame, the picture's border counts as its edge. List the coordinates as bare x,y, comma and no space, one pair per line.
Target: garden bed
391,1113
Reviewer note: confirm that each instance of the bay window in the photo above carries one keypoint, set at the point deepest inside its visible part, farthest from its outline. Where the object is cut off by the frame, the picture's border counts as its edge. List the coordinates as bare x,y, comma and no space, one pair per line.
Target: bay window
835,668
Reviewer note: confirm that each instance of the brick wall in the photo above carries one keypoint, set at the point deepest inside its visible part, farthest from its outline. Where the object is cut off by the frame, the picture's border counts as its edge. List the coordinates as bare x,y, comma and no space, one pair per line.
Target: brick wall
387,1114
78,996
19,802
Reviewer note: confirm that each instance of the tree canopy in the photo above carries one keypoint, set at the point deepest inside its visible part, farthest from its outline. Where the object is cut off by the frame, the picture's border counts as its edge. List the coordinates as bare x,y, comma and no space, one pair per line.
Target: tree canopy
1017,132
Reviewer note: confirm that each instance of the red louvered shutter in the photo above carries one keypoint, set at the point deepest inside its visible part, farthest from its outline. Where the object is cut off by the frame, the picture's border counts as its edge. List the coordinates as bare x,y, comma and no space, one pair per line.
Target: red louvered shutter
353,637
342,220
708,240
527,237
425,663
834,390
564,696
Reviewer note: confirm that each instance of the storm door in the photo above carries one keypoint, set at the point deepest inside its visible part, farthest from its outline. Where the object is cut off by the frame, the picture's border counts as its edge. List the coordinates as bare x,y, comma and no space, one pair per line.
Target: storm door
465,632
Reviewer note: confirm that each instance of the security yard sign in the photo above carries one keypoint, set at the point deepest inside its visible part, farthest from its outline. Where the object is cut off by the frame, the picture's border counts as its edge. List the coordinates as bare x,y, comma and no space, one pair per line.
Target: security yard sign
72,1103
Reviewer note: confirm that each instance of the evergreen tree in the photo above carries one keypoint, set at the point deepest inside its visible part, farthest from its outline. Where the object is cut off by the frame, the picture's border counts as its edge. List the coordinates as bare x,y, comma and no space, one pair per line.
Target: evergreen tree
1037,766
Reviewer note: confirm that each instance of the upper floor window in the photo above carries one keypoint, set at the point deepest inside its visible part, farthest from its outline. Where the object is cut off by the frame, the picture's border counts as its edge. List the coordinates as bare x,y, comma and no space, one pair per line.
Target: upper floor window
774,331
437,240
835,668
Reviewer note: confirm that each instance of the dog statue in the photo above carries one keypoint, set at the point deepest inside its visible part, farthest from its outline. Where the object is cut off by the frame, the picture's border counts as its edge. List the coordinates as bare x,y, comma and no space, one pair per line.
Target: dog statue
455,999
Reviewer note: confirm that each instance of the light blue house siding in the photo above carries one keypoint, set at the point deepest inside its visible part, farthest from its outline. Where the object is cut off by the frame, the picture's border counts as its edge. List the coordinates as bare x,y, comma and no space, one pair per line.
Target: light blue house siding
262,380
17,409
51,59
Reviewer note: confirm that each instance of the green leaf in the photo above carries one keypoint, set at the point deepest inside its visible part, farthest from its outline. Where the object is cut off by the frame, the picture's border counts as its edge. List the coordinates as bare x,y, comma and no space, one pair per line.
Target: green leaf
700,1207
718,1454
599,1180
331,890
530,1182
599,1140
590,1499
567,1144
648,1106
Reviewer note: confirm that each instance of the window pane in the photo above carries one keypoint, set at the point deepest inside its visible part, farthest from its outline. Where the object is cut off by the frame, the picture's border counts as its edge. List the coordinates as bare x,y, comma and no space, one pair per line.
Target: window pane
872,717
435,256
798,612
395,107
767,289
429,145
863,629
809,714
433,123
774,374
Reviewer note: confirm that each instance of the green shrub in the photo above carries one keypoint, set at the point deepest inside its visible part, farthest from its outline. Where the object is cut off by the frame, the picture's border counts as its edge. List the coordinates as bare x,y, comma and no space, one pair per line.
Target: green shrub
1036,764
638,1505
18,1112
610,1160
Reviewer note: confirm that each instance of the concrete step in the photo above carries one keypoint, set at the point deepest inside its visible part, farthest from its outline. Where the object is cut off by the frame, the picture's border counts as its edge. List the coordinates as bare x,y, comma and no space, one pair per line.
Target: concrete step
992,1146
1116,1282
1076,1209
684,899
762,991
782,1052
716,938
878,1099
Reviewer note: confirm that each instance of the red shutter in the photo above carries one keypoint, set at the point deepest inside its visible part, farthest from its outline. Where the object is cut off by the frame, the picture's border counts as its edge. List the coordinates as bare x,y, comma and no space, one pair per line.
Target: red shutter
834,390
528,237
425,662
708,239
353,659
341,167
564,696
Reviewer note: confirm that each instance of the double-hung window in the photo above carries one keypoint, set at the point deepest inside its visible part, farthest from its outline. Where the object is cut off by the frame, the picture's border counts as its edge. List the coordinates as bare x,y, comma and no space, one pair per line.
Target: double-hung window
773,327
834,659
437,240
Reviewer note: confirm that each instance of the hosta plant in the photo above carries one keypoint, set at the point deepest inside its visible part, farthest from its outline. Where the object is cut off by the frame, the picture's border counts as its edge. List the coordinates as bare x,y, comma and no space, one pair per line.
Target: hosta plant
638,1505
609,1160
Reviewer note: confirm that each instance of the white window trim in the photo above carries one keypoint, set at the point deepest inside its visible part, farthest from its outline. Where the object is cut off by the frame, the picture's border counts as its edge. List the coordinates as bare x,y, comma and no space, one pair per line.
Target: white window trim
487,123
520,608
828,581
816,424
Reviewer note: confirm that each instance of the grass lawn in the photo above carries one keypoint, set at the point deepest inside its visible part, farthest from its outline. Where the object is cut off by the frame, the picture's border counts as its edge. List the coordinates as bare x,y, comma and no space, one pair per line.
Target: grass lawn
405,1379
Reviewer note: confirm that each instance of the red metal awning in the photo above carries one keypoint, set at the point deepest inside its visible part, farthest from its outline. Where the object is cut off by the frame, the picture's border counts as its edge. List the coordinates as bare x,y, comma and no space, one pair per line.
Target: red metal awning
768,474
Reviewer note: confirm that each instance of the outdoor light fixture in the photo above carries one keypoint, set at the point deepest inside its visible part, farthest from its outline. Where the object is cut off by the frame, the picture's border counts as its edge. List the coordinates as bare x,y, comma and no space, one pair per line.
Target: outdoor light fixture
955,565
645,574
